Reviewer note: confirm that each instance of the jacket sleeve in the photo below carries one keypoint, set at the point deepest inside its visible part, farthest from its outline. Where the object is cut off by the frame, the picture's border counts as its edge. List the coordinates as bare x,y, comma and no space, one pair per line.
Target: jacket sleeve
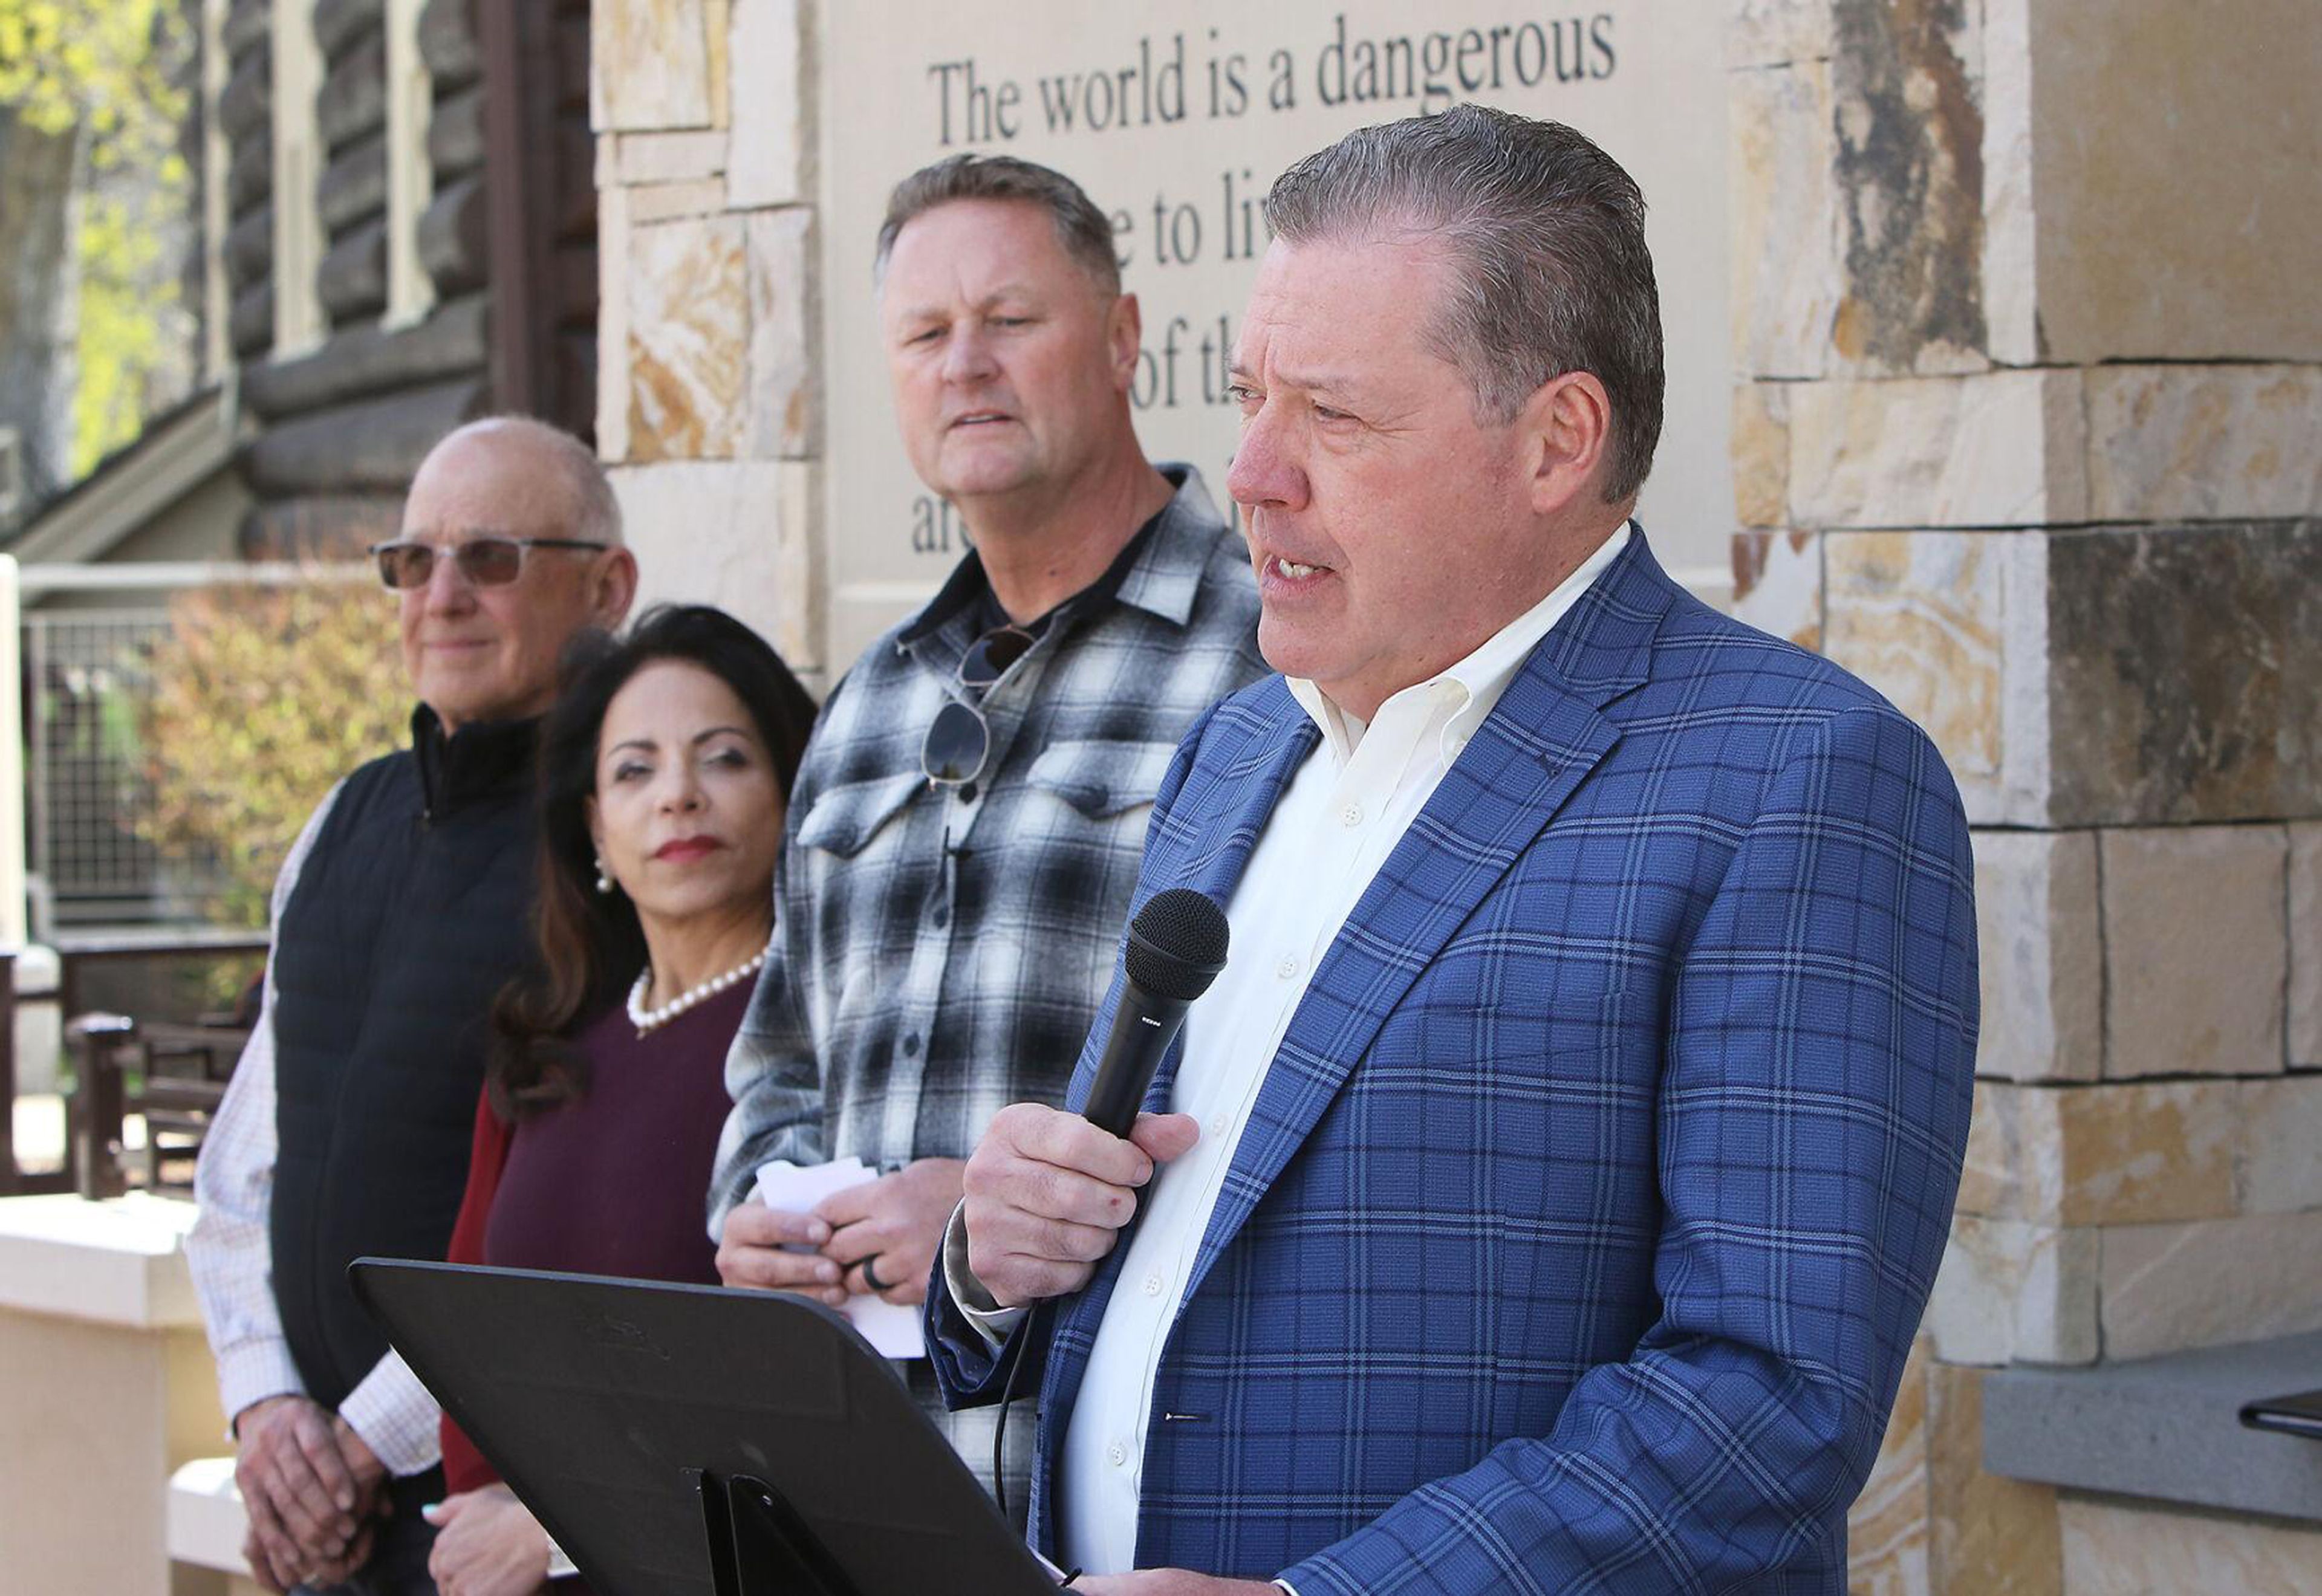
1811,1115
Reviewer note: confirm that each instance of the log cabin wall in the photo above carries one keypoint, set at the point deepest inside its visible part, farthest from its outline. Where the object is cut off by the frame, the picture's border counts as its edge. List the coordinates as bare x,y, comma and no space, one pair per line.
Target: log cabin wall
342,426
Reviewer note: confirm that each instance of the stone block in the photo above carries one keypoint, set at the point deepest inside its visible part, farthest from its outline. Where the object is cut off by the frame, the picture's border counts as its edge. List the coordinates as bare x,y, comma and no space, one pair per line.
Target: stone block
650,65
2167,1427
1788,260
667,202
663,158
2103,1154
689,316
2165,1288
2184,234
1777,32
2187,674
783,398
2196,960
773,112
1761,449
1992,1536
2000,448
1919,615
613,325
1908,171
2281,1144
2204,443
1777,584
734,534
2306,947
2040,937
2011,284
1887,1528
2010,1291
2115,1546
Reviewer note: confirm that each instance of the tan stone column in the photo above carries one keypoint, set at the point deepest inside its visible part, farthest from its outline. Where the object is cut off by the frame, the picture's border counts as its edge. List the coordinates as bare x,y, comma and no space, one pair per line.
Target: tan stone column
108,1387
705,214
2029,386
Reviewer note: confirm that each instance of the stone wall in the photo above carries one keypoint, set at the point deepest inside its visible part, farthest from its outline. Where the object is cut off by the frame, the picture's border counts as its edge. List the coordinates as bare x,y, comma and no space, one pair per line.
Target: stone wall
2027,385
2025,420
706,411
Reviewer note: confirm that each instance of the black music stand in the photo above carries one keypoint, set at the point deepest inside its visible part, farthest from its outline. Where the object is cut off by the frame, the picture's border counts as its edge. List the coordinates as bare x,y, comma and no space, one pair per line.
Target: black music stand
676,1440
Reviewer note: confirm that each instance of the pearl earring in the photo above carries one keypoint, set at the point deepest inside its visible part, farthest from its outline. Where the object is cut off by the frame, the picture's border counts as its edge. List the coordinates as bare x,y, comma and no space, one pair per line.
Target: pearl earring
603,877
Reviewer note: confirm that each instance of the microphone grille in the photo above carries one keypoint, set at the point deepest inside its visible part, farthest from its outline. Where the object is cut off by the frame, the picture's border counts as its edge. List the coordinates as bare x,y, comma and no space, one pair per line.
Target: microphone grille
1177,943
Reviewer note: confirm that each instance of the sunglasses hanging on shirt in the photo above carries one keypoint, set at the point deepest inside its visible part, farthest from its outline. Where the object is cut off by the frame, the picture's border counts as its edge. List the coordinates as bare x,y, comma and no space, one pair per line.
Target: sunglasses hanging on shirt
959,739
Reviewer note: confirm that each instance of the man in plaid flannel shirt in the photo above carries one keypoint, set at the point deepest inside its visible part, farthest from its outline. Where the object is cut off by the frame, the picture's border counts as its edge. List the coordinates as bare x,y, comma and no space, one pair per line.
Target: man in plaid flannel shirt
966,825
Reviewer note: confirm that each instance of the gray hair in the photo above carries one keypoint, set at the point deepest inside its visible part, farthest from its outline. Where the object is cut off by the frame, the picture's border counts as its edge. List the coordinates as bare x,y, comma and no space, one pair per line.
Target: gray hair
1546,236
596,512
1083,231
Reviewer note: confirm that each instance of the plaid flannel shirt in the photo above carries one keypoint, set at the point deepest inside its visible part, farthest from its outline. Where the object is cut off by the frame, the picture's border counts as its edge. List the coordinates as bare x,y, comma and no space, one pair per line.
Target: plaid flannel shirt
939,954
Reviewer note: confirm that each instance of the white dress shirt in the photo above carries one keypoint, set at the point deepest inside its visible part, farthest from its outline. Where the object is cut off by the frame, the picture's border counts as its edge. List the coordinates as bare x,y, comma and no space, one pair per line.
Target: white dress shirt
231,1255
1339,817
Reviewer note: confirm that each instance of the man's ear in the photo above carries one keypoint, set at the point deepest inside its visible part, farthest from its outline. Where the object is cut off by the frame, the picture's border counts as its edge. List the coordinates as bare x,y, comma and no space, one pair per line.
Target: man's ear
613,588
1124,335
1567,424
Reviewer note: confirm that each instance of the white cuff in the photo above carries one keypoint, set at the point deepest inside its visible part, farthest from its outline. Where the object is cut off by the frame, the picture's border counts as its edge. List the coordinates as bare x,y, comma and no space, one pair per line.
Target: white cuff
994,1323
396,1417
252,1371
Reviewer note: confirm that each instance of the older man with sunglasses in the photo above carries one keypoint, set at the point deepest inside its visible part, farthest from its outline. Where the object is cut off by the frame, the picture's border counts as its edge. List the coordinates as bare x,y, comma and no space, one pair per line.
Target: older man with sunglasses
965,829
399,913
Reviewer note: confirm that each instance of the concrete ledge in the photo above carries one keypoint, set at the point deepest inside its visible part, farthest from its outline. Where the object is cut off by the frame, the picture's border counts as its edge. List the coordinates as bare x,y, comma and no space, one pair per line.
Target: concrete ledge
207,1522
117,1263
2165,1428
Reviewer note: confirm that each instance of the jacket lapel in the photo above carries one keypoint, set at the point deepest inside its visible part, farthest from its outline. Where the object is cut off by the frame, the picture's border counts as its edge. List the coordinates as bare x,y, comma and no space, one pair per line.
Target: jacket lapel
1539,743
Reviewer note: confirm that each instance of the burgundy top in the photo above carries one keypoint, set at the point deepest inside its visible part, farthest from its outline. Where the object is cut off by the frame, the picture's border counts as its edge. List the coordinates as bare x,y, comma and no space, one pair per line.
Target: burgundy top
615,1183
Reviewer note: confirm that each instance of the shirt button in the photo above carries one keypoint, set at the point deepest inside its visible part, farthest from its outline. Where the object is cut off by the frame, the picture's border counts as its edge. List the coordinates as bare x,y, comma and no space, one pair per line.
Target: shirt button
1152,1285
1287,968
1352,814
942,916
912,1045
967,792
1116,1455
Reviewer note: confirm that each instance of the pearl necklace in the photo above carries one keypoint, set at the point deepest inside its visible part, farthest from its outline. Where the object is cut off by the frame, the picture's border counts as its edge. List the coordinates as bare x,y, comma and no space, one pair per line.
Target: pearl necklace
652,1019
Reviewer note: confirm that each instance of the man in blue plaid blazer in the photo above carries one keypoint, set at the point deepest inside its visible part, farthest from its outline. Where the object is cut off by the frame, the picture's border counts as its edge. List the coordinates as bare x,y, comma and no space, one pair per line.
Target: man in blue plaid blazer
1545,1198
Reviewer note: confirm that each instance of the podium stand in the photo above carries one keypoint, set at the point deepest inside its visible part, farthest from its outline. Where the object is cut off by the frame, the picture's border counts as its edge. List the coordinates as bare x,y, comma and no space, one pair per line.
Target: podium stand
696,1441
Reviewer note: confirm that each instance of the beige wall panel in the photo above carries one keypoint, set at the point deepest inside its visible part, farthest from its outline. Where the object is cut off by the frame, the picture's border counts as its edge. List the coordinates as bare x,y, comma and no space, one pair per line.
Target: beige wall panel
1178,120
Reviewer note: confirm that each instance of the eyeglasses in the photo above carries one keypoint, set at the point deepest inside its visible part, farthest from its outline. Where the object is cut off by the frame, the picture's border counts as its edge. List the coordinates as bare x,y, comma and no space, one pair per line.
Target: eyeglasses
492,561
959,740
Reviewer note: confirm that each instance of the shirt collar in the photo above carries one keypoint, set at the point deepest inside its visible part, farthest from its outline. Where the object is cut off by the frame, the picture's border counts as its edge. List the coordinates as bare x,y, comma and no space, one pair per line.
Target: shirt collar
1159,573
1470,688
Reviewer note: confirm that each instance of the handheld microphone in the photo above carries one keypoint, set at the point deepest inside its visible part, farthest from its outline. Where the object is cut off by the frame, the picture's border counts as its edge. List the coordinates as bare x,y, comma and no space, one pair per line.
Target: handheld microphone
1176,946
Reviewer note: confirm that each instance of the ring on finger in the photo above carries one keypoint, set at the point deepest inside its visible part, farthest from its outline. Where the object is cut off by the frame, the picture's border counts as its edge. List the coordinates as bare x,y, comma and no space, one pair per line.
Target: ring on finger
870,1278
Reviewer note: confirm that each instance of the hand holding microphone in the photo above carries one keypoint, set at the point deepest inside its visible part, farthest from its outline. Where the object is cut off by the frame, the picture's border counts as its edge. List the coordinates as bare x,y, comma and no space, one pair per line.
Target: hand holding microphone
1049,1192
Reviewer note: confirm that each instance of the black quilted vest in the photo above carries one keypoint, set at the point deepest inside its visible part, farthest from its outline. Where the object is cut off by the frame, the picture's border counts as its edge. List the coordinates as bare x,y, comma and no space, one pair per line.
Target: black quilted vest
409,914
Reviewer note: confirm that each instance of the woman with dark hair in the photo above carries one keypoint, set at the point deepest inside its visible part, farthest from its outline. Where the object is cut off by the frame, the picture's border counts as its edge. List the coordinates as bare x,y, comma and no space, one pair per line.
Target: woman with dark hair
664,768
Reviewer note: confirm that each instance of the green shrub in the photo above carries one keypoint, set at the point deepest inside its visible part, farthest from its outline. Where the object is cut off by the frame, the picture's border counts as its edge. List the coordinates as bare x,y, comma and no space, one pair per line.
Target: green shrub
262,699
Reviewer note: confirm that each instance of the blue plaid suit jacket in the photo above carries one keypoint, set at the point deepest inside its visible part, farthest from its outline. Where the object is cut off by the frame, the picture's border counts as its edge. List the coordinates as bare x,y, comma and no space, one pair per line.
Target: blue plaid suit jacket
1588,1208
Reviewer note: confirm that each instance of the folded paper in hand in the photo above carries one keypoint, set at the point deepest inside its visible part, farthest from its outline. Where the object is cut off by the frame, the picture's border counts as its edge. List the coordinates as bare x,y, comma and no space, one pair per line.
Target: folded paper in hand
893,1332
